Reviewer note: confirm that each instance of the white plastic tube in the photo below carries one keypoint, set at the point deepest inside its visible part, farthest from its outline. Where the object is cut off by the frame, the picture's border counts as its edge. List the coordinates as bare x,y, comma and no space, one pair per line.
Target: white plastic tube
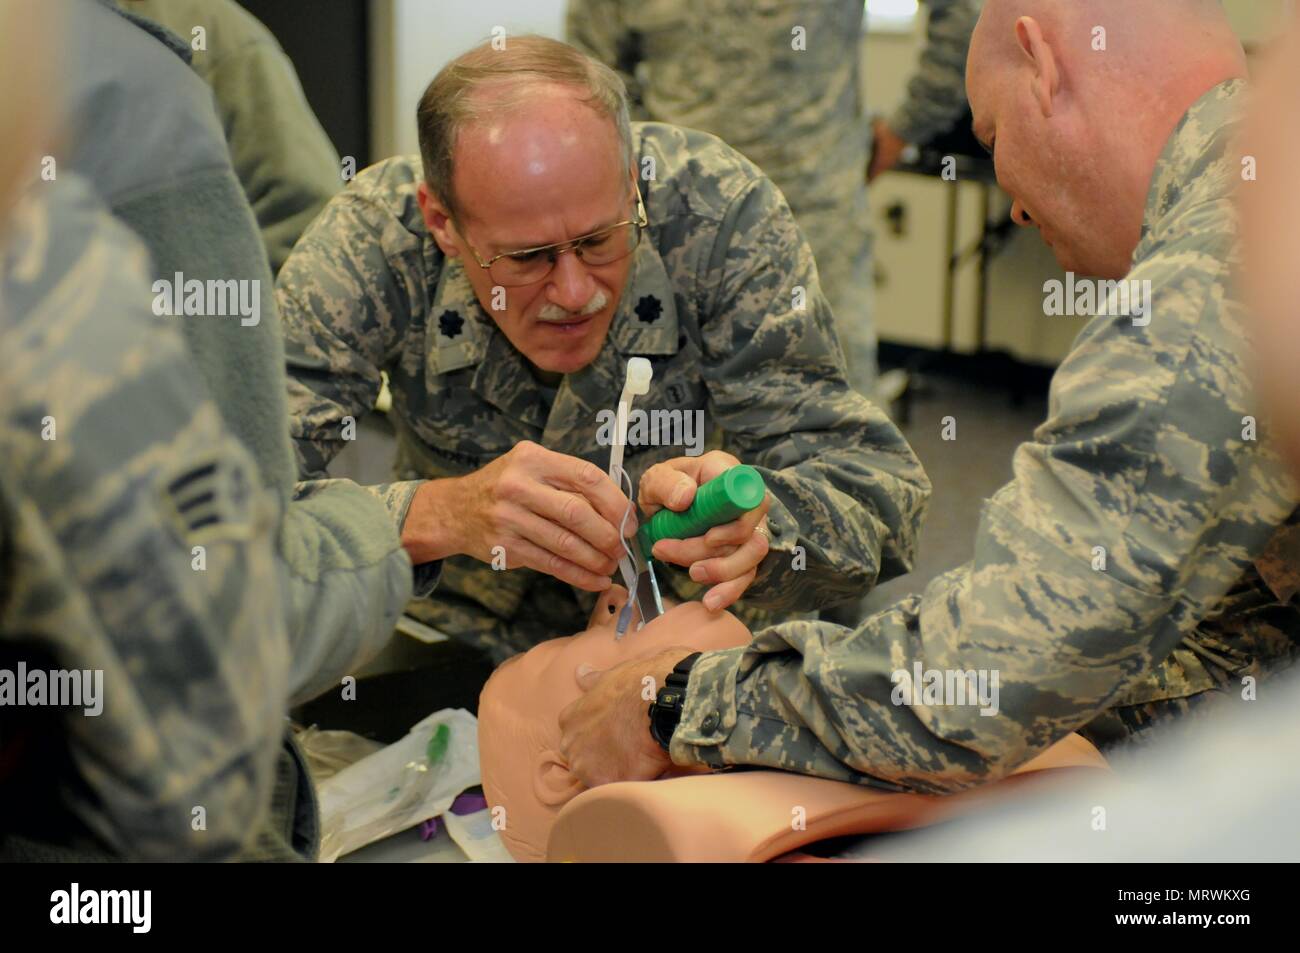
639,373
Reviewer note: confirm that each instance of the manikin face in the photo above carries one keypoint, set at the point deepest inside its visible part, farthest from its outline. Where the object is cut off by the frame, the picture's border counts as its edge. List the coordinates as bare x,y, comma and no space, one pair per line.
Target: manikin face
519,710
537,175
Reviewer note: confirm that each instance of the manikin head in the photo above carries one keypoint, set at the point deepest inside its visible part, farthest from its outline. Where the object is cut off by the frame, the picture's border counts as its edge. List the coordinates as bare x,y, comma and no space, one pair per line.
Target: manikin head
527,145
1270,206
1076,102
519,710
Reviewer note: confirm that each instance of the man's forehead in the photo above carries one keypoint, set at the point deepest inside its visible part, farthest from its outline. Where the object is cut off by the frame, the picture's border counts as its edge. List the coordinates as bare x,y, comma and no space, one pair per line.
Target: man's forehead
515,220
977,63
537,162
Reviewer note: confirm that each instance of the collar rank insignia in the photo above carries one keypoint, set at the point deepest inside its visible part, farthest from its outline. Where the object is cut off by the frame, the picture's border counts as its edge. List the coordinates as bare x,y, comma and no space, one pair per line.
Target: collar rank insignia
450,324
648,309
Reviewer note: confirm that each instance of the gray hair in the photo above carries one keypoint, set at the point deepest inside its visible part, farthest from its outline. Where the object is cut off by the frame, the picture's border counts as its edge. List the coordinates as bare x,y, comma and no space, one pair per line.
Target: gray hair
511,73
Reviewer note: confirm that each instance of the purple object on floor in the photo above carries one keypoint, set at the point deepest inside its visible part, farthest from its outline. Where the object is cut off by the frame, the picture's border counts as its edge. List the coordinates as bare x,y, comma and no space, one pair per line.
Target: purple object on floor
468,804
429,829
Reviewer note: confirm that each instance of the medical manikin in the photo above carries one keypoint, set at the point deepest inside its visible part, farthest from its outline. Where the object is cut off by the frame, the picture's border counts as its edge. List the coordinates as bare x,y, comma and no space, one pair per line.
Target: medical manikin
687,815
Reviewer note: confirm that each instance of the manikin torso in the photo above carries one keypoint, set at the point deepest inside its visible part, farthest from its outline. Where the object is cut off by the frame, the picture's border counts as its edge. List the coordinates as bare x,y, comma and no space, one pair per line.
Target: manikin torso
519,731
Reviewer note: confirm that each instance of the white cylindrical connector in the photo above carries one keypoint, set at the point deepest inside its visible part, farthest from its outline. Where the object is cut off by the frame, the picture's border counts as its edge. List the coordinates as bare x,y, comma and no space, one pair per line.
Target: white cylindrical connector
639,372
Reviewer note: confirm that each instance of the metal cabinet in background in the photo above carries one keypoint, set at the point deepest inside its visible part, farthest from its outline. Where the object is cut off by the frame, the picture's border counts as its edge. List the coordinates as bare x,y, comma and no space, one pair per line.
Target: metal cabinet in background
950,276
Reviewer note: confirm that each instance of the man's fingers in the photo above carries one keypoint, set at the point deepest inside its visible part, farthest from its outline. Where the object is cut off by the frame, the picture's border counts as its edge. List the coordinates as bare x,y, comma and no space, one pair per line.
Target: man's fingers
684,552
665,485
558,538
573,512
523,553
725,594
593,484
744,560
738,531
587,676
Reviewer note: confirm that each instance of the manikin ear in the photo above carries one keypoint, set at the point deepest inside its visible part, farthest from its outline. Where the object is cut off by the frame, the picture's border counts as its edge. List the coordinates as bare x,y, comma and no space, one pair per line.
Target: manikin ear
437,219
553,783
1047,80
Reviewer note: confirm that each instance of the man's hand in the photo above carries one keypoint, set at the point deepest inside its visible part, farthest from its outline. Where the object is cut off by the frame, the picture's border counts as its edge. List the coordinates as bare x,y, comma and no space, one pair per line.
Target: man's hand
727,556
551,512
605,734
886,151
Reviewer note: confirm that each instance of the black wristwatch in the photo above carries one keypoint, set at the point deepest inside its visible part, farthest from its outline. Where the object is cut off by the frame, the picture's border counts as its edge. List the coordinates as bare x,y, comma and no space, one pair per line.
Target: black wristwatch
666,709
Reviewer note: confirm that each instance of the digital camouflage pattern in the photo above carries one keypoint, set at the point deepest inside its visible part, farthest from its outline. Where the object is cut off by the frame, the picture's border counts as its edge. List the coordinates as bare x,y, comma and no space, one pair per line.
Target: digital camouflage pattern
1144,454
144,133
97,563
723,298
936,93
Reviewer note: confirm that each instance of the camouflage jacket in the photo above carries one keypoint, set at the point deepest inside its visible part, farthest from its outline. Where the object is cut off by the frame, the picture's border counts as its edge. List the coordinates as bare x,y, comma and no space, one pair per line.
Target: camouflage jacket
1113,576
723,298
791,101
135,540
936,93
143,132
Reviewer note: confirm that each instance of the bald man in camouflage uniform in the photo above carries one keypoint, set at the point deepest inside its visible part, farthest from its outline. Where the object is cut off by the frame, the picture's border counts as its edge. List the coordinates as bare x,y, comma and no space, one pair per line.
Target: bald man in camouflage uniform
723,298
135,540
781,83
1126,575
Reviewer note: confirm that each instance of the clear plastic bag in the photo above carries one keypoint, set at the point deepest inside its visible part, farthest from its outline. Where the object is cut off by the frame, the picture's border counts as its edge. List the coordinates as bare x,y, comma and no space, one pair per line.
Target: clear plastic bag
329,752
401,785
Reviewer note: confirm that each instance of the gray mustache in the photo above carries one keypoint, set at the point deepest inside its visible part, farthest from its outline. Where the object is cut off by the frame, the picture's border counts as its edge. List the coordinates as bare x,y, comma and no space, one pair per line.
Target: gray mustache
553,312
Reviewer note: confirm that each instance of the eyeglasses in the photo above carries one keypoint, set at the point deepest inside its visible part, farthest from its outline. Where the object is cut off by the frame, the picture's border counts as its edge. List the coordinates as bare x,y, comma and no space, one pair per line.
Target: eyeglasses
528,265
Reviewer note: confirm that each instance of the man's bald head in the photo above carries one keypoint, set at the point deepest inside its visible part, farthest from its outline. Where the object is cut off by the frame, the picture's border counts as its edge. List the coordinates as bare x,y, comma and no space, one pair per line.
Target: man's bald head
1077,100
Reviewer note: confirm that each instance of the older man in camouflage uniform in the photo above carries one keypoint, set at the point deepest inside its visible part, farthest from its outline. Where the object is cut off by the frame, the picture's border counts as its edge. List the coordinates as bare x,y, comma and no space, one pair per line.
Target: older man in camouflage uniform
1122,577
780,82
403,274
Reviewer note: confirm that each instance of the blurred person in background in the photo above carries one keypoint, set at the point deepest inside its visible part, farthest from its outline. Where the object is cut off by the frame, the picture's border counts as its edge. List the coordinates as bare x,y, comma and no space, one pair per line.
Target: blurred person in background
136,543
284,160
936,95
142,130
